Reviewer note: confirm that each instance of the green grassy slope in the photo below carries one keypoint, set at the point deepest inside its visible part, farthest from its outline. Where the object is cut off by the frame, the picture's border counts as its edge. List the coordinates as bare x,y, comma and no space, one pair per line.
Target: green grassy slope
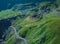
42,27
45,31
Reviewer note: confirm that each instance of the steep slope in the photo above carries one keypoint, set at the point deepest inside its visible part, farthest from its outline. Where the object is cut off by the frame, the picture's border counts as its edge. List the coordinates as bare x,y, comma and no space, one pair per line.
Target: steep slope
36,25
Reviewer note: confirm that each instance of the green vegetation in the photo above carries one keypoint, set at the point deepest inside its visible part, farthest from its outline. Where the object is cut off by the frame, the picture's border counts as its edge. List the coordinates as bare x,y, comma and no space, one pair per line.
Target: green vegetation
44,29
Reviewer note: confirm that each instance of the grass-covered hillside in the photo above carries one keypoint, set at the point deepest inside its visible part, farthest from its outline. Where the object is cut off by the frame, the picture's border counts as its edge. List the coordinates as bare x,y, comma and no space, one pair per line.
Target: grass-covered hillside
38,24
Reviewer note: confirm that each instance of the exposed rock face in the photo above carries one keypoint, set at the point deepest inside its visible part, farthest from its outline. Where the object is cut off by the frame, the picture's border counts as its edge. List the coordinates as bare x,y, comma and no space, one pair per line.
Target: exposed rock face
4,24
